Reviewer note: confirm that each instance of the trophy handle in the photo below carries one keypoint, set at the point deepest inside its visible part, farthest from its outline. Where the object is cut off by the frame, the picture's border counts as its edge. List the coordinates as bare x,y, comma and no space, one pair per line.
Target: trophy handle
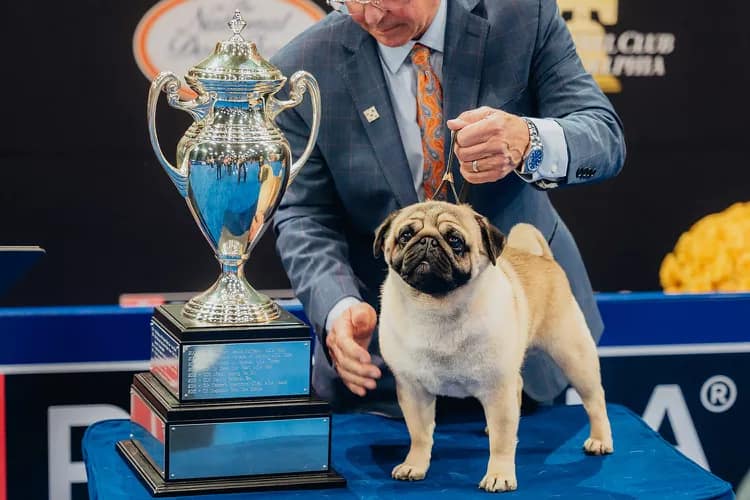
198,109
300,82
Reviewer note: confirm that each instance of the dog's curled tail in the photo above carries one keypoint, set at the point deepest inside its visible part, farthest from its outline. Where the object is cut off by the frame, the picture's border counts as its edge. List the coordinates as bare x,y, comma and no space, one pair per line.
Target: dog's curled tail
528,238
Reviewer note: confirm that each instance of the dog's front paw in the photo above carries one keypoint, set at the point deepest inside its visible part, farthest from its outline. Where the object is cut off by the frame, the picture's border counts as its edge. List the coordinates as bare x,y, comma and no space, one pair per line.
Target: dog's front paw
598,446
497,481
409,472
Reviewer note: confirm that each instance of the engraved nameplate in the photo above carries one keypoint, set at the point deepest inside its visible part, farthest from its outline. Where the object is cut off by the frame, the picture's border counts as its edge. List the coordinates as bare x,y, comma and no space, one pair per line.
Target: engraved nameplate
245,370
248,448
164,353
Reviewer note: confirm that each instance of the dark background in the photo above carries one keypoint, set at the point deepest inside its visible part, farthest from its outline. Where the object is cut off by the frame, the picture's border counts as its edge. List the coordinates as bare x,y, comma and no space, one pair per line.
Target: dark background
27,418
79,178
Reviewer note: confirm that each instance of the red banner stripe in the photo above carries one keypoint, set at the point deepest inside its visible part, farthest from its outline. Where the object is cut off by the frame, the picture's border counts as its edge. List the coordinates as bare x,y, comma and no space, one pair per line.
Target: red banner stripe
141,414
3,461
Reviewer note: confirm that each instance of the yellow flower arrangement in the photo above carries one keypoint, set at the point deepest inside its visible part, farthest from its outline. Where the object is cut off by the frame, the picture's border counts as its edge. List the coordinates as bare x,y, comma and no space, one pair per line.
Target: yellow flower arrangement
713,256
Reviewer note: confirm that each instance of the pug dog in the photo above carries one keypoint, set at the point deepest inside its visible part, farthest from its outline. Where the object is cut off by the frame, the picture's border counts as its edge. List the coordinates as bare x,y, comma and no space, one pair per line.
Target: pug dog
460,306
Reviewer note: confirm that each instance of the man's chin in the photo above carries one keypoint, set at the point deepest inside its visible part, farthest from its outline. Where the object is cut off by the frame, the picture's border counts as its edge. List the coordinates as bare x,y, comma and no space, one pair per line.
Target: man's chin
394,37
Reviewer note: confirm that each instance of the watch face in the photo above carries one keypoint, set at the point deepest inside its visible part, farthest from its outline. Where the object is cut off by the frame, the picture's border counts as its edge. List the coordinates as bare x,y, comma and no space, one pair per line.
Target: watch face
534,160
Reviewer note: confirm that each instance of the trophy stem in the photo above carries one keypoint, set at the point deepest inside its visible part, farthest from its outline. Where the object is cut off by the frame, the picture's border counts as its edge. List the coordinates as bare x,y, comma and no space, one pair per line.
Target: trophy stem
231,301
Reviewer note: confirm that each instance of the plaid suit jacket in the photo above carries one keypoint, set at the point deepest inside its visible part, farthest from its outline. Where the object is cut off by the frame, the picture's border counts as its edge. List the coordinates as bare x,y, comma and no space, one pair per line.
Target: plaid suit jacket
515,55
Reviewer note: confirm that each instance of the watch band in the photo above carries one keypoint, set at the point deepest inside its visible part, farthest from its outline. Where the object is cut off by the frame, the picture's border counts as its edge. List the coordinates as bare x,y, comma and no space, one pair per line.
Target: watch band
534,154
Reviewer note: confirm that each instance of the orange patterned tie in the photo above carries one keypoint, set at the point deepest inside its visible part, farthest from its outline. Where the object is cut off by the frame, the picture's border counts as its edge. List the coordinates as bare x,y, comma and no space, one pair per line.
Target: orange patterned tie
430,120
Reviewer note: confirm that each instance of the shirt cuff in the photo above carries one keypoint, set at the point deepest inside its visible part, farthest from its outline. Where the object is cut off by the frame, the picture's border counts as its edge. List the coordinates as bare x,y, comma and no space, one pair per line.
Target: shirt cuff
336,311
555,162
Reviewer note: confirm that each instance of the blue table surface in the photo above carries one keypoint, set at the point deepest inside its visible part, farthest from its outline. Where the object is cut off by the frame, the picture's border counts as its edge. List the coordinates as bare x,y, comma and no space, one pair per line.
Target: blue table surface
550,463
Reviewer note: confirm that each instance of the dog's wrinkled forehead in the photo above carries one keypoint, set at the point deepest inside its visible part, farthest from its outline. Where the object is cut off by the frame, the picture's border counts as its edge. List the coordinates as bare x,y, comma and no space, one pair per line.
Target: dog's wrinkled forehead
436,216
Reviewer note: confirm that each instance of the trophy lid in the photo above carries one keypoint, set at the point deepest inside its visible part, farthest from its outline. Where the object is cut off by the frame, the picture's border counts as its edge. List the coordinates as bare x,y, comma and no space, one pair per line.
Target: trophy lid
235,59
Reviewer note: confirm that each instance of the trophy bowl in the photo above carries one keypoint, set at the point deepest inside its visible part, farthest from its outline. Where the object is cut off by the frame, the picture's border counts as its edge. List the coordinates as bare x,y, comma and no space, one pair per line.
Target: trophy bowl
233,164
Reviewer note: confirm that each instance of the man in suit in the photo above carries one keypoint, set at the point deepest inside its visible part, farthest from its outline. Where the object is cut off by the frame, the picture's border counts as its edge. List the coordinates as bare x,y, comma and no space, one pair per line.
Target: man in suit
396,77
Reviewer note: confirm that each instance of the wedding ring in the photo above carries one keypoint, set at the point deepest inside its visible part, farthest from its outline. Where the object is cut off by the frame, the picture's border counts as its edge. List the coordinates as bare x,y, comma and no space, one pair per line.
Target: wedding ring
474,167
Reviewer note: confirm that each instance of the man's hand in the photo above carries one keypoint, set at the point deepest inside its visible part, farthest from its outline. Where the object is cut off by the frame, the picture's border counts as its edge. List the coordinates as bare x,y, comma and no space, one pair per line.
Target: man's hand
347,342
490,143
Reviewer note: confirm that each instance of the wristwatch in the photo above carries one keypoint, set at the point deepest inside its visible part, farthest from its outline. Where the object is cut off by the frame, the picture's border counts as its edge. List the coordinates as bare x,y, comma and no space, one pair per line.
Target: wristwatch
534,155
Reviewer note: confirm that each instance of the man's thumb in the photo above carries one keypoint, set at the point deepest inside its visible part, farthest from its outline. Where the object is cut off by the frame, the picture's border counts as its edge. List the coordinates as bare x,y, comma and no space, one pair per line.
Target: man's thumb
363,318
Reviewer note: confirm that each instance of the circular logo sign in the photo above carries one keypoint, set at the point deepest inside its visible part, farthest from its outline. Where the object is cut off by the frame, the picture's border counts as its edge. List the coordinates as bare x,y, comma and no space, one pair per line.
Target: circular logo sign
718,394
175,35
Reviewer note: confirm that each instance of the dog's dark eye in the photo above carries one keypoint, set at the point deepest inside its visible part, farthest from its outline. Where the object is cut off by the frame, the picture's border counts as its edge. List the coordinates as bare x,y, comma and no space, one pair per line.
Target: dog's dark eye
405,236
456,243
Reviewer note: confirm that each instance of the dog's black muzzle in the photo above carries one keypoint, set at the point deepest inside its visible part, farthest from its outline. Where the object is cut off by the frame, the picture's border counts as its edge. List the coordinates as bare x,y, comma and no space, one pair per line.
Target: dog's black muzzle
428,268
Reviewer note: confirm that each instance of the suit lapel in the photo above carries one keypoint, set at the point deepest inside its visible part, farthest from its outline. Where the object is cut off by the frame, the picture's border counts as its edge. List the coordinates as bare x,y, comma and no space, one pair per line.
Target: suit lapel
463,60
363,75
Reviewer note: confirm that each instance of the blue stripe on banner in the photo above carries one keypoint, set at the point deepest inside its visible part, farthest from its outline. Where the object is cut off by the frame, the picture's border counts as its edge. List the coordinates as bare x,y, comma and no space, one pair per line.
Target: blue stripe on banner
74,334
111,333
77,334
668,297
654,318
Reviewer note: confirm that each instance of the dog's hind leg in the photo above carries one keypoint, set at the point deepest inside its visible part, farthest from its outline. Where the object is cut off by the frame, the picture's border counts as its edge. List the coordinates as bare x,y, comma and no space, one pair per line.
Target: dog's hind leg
570,344
418,407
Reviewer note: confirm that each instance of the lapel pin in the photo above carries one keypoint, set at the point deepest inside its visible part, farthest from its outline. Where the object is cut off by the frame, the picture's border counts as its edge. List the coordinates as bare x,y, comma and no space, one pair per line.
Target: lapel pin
371,114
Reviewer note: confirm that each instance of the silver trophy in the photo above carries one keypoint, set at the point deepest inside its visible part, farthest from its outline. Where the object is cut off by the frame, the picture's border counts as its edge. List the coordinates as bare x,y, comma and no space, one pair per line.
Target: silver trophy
233,164
227,403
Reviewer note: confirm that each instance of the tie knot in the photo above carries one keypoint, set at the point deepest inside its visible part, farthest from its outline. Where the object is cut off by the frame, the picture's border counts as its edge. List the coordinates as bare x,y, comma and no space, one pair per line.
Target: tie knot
420,57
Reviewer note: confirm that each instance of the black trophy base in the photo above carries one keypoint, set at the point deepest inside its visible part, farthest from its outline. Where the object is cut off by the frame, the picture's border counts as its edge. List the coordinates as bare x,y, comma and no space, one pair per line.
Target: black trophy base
158,487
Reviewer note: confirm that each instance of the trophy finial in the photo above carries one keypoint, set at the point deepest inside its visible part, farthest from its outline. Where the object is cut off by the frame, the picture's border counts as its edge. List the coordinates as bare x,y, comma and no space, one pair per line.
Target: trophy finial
237,24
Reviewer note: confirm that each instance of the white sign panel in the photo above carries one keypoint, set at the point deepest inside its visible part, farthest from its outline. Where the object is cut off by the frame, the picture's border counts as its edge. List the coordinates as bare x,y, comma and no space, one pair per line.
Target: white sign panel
175,35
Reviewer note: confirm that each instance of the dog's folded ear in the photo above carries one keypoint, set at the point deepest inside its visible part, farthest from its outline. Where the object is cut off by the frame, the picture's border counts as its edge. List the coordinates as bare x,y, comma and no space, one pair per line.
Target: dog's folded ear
492,238
381,232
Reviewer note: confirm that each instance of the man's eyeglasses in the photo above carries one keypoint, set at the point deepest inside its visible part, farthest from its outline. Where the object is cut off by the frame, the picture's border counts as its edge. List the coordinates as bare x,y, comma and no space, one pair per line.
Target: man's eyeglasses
357,6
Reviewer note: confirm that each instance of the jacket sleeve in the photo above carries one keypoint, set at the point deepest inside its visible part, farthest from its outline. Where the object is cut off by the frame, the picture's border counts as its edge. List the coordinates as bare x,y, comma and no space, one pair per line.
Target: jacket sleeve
566,92
309,231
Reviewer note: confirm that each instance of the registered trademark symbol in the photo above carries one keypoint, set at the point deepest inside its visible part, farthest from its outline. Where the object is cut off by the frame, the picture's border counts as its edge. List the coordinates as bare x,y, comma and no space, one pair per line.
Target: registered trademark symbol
718,394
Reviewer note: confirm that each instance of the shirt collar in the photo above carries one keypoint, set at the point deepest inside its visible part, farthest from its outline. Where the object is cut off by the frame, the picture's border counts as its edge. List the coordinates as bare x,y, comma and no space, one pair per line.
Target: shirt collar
434,38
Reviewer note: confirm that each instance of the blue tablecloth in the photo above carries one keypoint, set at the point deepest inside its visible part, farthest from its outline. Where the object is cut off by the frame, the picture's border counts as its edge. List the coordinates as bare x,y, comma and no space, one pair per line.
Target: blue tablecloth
550,462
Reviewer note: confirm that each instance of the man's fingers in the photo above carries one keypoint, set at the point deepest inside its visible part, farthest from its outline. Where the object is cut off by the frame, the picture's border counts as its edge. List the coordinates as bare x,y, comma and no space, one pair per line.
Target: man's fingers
474,115
351,365
479,151
456,124
354,359
353,350
480,133
347,343
355,379
336,354
468,118
358,390
485,176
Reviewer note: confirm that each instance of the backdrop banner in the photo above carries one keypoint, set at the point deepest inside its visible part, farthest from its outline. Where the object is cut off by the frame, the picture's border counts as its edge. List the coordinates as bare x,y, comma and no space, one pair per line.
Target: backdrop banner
81,180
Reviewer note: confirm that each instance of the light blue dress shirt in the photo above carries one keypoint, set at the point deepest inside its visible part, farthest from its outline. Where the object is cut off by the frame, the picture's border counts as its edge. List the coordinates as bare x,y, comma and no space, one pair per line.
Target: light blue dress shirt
401,78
